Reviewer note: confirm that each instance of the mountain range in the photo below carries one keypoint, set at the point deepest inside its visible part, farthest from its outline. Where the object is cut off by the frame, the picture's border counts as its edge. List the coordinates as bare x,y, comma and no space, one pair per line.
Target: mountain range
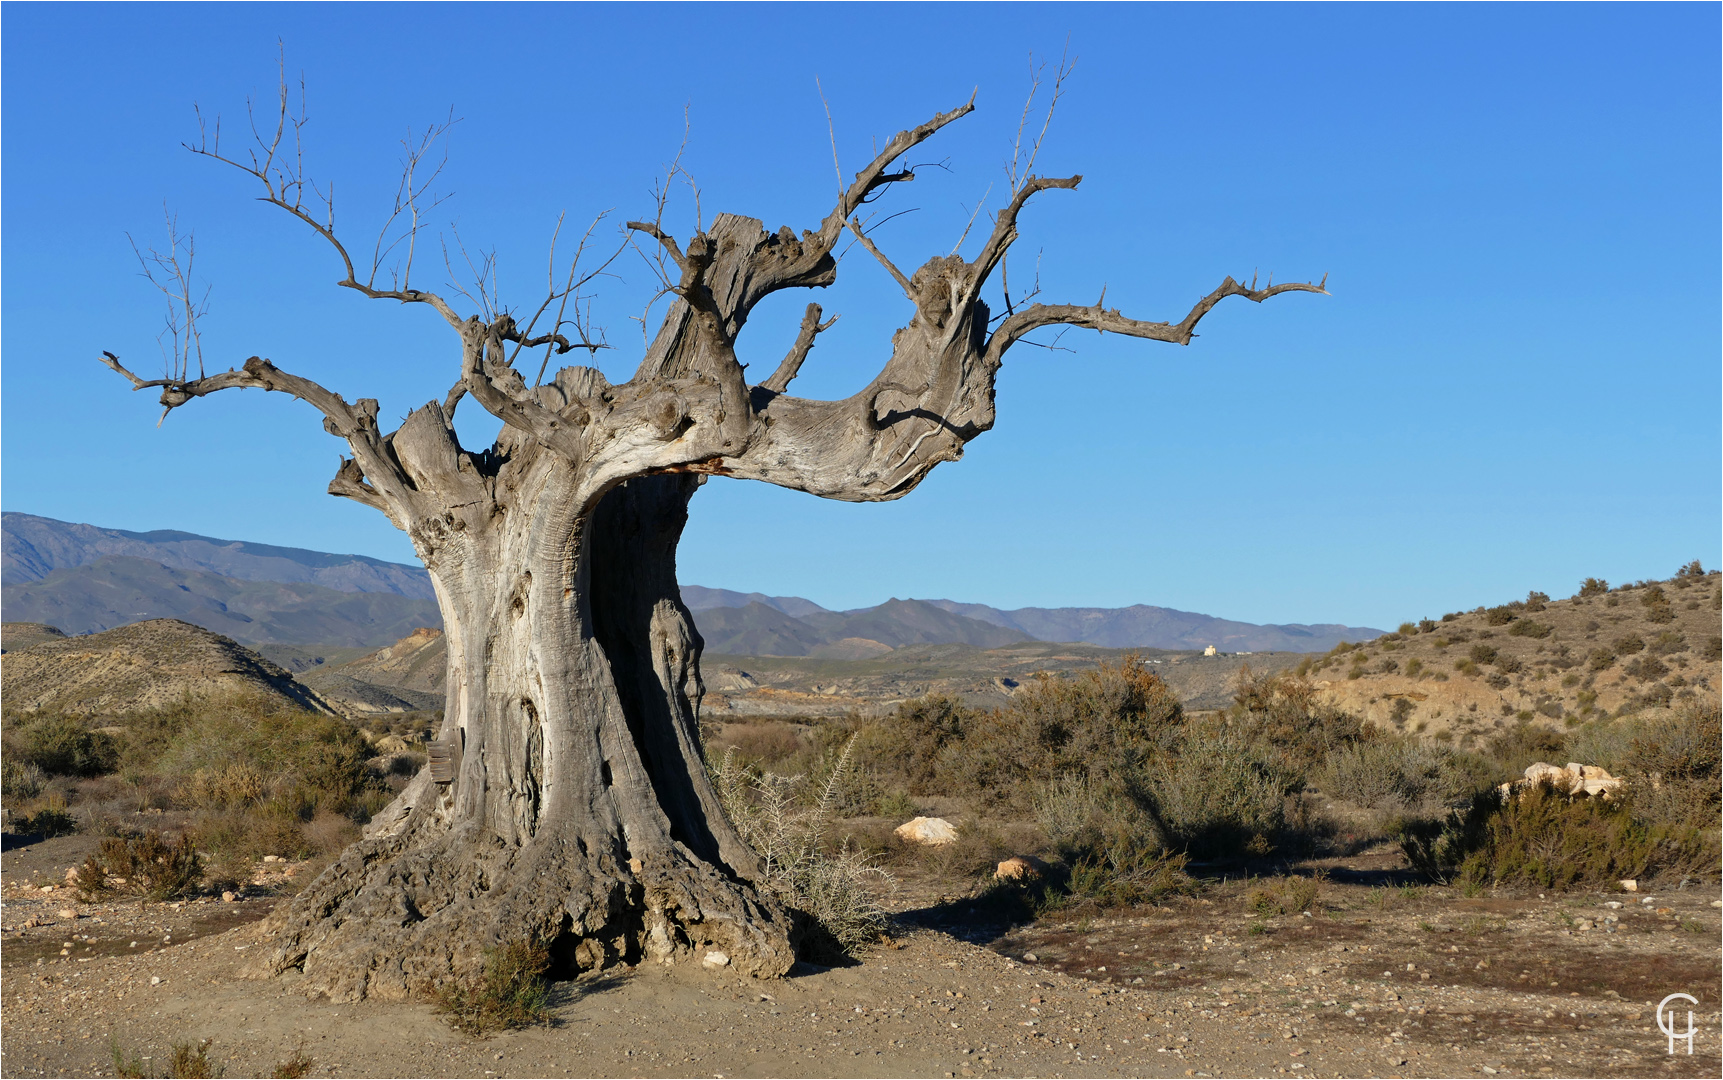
83,579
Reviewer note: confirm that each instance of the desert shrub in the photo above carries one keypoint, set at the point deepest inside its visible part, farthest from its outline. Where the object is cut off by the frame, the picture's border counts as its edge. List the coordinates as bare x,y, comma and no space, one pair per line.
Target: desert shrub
1660,613
153,865
1425,626
1287,717
1536,601
1690,572
1414,667
188,1061
1483,654
49,820
1103,724
1283,896
1508,663
1600,660
1082,816
62,745
1498,681
1541,838
1673,766
1713,650
1398,773
1124,873
1501,615
1224,792
828,884
21,780
1407,629
1523,744
911,739
1627,645
1646,668
510,993
1667,643
1536,837
297,1065
239,836
1592,586
1466,666
767,743
1529,628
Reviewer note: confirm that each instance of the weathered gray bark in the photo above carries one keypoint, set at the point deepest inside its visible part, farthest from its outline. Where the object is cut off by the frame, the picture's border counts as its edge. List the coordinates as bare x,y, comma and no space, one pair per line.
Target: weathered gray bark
581,814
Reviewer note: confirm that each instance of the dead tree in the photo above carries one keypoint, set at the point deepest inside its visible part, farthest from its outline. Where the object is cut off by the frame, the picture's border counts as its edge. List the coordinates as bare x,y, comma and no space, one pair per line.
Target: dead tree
576,809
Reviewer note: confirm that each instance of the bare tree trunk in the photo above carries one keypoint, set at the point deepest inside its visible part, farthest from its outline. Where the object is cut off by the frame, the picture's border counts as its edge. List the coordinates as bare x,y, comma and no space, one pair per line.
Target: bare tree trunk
581,814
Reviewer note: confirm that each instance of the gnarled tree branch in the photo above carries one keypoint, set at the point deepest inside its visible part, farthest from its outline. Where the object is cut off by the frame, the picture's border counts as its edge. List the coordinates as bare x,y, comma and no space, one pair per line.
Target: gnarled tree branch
812,327
1095,317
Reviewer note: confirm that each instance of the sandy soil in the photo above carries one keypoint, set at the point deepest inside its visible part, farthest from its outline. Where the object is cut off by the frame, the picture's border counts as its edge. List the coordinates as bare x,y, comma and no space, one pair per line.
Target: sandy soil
1375,981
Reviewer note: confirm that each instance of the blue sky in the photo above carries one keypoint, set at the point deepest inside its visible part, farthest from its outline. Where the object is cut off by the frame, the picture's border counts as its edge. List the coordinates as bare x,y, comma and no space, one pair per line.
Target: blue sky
1515,383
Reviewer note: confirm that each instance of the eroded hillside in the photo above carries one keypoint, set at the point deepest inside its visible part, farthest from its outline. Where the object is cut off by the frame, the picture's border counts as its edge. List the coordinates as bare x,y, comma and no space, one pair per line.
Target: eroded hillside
1603,652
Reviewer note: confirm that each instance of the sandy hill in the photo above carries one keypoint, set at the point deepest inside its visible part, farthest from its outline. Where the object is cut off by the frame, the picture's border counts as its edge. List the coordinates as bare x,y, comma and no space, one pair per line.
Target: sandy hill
1605,651
402,677
144,665
21,635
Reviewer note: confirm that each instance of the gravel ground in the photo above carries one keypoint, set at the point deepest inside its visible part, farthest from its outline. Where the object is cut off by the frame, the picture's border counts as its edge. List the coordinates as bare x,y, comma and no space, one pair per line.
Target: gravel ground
1375,982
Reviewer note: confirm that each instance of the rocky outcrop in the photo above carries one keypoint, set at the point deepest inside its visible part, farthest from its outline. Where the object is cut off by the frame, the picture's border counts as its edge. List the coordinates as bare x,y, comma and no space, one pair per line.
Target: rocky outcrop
1575,779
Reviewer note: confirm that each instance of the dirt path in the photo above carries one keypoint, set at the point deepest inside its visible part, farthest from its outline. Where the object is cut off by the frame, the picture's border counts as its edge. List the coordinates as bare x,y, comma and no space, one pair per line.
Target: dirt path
1320,996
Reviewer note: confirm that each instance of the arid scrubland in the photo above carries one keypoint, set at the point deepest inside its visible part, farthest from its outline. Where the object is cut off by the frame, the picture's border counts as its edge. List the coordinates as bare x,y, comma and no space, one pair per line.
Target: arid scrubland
1317,864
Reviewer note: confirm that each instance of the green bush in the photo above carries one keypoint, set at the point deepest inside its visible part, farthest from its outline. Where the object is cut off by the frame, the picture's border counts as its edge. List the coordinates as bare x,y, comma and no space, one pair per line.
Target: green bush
1536,837
910,740
785,819
62,745
1529,628
1500,616
1223,793
1592,586
1287,717
1102,724
511,993
1399,773
1523,744
1123,873
159,867
1283,896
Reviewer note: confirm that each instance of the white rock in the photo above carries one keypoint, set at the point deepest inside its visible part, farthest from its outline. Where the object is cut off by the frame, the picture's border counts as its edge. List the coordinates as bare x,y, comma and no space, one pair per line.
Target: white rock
925,830
1629,885
155,980
716,959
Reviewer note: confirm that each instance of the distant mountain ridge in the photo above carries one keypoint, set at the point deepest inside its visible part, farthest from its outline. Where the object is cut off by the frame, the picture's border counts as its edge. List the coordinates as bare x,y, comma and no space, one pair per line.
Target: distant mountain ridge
1162,628
33,547
84,579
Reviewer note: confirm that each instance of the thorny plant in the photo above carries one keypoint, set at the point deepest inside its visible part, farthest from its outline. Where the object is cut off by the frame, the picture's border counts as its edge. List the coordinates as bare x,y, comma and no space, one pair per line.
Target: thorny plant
789,835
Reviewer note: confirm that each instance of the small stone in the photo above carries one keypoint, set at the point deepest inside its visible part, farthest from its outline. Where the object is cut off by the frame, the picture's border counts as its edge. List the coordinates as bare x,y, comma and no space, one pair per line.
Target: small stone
155,980
1629,885
67,913
272,858
228,898
1030,958
1019,868
72,873
716,959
